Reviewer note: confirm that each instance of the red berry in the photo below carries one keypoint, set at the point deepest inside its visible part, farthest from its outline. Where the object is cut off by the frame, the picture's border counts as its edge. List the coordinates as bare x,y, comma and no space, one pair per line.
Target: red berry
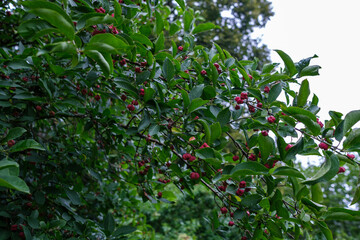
232,214
25,79
243,95
14,227
341,170
143,64
142,92
22,235
252,157
52,113
237,107
159,194
244,238
266,89
242,184
186,156
180,48
223,210
205,145
123,97
259,105
271,119
320,123
196,118
264,133
130,107
351,156
38,108
323,146
84,91
134,102
240,192
231,223
288,147
235,158
216,65
203,72
122,62
194,175
11,143
138,70
251,108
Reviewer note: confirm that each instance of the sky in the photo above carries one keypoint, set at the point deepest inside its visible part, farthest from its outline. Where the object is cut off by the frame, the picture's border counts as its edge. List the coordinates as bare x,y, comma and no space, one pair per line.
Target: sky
329,29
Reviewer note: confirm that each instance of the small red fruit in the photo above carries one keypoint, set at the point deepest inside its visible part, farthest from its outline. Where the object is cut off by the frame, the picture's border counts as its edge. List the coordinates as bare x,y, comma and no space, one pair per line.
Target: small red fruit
22,235
235,158
266,89
271,119
323,146
242,184
243,95
159,194
320,123
52,113
135,102
223,210
341,170
205,145
122,62
123,97
351,156
216,65
240,192
138,70
196,118
11,143
203,72
180,48
288,147
264,133
143,64
142,92
194,175
244,238
252,157
97,97
130,107
259,105
25,79
237,107
38,108
232,214
14,227
251,108
231,223
84,92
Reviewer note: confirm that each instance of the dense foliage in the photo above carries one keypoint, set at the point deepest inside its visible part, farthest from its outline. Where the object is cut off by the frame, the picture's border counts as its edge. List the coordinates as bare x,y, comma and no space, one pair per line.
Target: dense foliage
100,118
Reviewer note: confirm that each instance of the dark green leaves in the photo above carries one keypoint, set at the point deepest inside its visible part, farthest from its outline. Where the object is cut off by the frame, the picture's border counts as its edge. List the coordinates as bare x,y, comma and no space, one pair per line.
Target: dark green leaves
326,172
202,27
350,120
288,171
249,168
266,146
181,4
14,133
109,223
52,13
304,93
274,92
26,144
196,104
274,229
168,69
289,64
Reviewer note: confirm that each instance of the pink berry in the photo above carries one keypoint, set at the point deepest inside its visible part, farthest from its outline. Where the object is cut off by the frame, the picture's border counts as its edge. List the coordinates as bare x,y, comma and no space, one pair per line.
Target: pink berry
11,143
231,223
223,210
266,89
38,108
323,146
320,123
130,107
242,184
237,107
142,92
288,147
135,102
194,175
271,119
243,95
216,65
235,158
252,157
97,97
180,48
137,69
205,145
259,105
159,194
351,156
240,192
203,72
264,133
341,170
123,97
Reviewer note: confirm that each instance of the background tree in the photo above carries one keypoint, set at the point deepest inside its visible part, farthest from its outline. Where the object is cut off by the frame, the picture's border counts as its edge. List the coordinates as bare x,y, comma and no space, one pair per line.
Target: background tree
235,31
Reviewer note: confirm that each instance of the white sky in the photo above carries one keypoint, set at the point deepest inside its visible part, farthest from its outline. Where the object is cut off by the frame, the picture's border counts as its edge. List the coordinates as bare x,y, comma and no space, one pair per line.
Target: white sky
329,29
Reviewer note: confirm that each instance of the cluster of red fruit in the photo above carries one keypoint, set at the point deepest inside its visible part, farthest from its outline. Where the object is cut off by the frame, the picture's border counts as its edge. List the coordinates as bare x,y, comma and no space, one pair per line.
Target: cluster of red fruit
217,68
131,107
188,157
15,228
242,189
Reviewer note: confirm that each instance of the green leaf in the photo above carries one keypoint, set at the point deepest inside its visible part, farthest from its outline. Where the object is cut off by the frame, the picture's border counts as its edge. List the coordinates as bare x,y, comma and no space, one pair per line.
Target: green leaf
316,193
185,98
159,43
274,229
266,145
123,231
315,207
74,197
220,51
35,28
181,4
289,64
296,110
168,69
6,164
224,116
205,153
292,152
209,92
100,60
14,133
249,168
206,129
312,70
109,223
196,104
188,21
26,144
142,39
53,14
215,132
304,93
202,27
159,23
128,87
14,182
149,94
350,120
325,230
251,200
274,92
91,19
288,171
353,140
326,172
109,39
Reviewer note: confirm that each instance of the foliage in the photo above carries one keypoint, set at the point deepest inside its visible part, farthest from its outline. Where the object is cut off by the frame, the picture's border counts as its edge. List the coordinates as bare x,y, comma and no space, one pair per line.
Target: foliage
99,117
235,32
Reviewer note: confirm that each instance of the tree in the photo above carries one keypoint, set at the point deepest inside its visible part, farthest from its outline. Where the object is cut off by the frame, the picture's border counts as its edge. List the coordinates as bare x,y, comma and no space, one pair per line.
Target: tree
235,31
99,117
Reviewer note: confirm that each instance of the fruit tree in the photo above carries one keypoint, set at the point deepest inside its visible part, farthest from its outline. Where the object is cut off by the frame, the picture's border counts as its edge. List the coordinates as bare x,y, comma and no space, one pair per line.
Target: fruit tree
98,115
